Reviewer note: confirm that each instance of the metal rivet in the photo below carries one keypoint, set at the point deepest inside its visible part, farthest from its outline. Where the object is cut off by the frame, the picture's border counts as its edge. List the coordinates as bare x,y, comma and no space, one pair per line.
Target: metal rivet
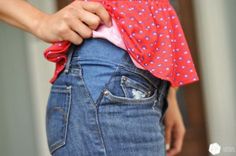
124,78
106,92
68,87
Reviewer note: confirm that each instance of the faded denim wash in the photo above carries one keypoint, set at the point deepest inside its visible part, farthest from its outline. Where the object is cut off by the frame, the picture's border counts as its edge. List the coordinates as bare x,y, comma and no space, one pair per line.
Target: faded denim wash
102,105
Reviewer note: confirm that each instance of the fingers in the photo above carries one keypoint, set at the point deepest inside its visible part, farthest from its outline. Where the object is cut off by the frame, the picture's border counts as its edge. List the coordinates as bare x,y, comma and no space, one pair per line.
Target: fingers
177,138
98,8
80,28
73,37
80,18
89,18
167,136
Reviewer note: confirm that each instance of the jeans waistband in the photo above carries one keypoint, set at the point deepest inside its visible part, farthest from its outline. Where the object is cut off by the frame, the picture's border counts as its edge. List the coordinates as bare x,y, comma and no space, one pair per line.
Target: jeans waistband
100,49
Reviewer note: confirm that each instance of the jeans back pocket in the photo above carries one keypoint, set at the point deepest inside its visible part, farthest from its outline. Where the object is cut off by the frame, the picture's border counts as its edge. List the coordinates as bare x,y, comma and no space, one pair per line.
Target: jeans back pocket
57,114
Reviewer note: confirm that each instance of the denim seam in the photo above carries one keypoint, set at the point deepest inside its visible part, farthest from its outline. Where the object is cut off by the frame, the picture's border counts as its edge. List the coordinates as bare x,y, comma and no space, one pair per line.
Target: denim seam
62,142
130,83
77,58
100,132
80,76
88,94
69,57
99,100
135,70
106,86
163,133
143,101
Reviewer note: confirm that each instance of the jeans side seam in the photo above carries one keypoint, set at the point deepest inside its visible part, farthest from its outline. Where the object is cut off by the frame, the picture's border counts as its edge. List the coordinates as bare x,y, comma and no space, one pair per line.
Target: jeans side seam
100,132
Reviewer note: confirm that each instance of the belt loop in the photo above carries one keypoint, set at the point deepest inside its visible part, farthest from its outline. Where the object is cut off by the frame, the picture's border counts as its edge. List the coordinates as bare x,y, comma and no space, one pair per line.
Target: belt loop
163,89
162,99
69,57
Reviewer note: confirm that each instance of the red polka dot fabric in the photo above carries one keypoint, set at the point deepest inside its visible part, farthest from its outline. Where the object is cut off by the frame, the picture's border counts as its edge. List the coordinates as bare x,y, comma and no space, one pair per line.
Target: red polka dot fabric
153,36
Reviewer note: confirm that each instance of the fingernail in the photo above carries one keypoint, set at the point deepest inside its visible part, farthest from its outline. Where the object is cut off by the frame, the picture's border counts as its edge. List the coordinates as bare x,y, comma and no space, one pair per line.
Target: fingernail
167,146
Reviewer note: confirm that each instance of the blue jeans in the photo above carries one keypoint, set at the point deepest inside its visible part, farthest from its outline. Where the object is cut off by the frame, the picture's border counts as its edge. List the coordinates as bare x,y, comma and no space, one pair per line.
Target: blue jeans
103,105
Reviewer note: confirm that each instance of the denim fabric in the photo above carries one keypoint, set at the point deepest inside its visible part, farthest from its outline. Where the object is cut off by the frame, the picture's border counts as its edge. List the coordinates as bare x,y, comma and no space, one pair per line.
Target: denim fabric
102,105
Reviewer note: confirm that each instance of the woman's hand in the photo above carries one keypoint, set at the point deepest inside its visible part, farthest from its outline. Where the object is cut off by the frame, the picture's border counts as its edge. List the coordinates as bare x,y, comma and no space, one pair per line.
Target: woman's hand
174,126
72,23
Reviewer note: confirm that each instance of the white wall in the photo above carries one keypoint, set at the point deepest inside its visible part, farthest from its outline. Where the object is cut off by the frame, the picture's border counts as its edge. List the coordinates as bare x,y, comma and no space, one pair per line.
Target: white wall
17,135
24,89
40,72
218,70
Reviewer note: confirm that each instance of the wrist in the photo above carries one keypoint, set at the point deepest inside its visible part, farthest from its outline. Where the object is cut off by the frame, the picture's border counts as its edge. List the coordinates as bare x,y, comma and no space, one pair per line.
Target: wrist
36,23
172,90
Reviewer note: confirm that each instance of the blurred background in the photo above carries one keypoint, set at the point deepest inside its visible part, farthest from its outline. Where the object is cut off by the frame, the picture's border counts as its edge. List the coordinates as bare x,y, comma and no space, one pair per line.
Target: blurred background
208,106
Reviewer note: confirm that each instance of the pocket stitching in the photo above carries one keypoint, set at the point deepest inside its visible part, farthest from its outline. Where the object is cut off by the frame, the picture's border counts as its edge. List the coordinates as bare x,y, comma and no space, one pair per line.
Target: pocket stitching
130,101
67,90
139,73
129,82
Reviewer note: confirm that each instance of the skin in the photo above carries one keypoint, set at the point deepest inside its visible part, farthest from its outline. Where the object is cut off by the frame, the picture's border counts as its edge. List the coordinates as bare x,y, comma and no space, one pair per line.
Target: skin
74,23
174,125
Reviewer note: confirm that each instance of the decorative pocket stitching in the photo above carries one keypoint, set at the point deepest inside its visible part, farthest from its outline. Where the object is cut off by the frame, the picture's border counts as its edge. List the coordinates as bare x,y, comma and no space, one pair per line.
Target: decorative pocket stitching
58,109
127,82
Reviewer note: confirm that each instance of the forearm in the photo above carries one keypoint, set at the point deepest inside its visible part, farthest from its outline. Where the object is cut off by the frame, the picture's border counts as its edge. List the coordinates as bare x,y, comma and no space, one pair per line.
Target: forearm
20,14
